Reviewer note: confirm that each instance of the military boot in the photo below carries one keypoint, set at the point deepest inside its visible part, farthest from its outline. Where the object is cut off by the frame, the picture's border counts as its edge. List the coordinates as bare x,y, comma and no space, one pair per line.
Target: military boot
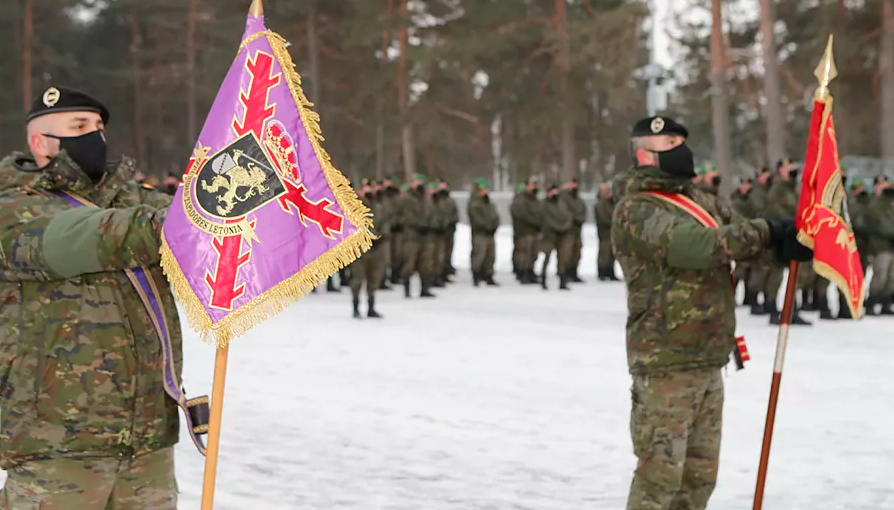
407,288
330,285
489,280
750,298
611,275
762,308
887,307
844,311
823,306
384,285
573,277
543,281
437,282
771,310
371,311
426,289
808,301
530,278
451,270
356,302
395,278
601,275
563,282
446,278
476,279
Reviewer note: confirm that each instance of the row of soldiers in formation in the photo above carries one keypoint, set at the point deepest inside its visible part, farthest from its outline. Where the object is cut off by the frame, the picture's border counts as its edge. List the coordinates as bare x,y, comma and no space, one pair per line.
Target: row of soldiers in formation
415,225
870,207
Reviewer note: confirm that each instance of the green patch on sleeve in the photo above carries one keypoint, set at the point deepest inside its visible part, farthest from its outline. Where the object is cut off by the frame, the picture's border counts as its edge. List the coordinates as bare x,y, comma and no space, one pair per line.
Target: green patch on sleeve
692,246
69,245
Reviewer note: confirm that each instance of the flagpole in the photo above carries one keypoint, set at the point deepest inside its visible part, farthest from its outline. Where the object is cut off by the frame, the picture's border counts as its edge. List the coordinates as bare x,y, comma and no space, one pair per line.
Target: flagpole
785,321
211,451
825,73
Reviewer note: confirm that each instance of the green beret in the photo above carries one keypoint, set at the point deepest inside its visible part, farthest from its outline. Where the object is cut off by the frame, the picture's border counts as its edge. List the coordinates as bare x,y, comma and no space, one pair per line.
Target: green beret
419,177
64,99
654,126
481,183
520,188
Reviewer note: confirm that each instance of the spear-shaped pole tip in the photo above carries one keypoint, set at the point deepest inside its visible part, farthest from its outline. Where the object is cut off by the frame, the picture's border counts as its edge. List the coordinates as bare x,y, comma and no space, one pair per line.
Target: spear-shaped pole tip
257,8
825,72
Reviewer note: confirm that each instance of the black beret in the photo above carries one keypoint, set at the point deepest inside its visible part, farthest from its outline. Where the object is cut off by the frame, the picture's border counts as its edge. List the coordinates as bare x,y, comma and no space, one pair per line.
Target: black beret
654,126
64,99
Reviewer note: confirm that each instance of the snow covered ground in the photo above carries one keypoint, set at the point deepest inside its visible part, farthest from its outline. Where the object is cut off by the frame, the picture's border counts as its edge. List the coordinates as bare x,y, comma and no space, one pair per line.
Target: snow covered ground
515,398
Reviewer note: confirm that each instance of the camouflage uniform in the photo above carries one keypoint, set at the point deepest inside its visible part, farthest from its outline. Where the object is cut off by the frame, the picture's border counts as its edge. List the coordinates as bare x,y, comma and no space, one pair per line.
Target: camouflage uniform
782,202
449,238
557,235
370,267
395,240
859,213
83,400
527,220
881,233
578,209
680,333
485,221
605,261
416,213
758,279
513,217
741,203
442,232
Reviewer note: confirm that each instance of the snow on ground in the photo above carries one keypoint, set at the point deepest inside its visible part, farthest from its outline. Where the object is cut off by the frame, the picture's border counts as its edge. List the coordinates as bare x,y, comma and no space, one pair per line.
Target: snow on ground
516,398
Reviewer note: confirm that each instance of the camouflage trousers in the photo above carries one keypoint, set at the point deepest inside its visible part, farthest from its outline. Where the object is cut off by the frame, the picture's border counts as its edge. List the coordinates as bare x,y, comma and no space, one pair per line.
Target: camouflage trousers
483,254
675,424
369,268
882,283
577,245
525,253
562,244
395,248
448,250
105,483
413,259
440,261
806,279
606,258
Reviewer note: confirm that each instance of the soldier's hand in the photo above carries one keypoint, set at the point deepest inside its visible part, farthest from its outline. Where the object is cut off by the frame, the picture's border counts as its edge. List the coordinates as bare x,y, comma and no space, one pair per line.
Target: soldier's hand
783,240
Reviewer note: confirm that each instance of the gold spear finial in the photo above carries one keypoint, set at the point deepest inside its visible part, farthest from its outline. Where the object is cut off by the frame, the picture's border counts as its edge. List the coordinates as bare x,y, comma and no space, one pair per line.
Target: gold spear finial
825,72
257,8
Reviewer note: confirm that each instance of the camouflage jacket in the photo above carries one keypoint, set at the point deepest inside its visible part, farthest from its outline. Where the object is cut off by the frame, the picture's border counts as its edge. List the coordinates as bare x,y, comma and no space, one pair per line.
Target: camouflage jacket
557,218
782,200
577,206
757,199
381,214
452,213
80,363
415,212
483,216
859,214
527,216
603,215
681,309
706,187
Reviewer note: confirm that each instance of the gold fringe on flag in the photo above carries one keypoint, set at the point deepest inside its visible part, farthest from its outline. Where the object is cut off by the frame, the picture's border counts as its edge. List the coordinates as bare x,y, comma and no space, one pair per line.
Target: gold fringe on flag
271,302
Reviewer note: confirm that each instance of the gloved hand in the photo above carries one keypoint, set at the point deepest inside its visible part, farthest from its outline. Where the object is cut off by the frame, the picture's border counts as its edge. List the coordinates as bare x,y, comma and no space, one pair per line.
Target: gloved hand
783,240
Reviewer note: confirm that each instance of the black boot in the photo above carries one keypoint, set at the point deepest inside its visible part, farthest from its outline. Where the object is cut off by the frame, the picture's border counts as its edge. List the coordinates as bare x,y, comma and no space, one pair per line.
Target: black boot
529,278
563,282
344,277
808,301
601,275
426,289
573,277
612,276
395,278
437,282
489,280
797,320
887,307
543,281
844,311
446,278
870,304
356,302
330,285
384,285
771,310
758,309
451,271
371,311
476,279
407,288
750,298
823,306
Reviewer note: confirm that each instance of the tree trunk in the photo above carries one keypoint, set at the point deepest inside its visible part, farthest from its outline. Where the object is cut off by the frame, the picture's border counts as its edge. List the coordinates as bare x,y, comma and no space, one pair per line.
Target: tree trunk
886,61
403,95
314,57
191,122
569,160
27,53
380,127
719,105
773,106
137,77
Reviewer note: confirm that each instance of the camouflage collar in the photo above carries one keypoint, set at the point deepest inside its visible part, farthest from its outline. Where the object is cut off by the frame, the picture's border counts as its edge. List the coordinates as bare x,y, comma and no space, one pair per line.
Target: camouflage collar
649,178
61,174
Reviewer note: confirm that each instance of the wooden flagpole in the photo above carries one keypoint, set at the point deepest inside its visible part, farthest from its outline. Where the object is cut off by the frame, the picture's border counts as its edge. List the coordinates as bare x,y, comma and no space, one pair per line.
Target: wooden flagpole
211,451
785,321
825,72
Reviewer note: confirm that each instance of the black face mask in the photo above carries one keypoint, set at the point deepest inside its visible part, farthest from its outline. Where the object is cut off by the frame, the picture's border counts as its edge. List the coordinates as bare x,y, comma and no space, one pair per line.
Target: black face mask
793,175
677,161
87,151
419,188
552,198
171,189
715,181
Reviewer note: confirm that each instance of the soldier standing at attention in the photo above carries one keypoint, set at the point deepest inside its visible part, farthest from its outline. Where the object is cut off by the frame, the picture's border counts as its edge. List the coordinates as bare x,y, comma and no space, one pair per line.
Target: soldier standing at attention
394,245
556,236
86,422
436,241
675,245
485,221
605,261
415,217
858,201
760,267
370,267
526,223
782,202
578,208
739,200
881,233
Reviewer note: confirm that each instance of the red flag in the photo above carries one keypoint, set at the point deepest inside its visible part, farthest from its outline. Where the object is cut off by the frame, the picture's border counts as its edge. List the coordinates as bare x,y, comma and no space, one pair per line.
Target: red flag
820,221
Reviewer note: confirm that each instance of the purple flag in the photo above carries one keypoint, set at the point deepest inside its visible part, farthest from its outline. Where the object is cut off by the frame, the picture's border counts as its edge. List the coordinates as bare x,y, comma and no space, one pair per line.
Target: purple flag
261,217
